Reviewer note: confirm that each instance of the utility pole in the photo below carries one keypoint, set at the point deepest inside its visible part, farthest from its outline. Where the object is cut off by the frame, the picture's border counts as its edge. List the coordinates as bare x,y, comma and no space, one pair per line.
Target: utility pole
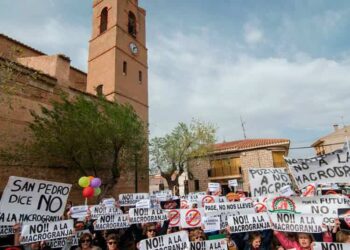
243,128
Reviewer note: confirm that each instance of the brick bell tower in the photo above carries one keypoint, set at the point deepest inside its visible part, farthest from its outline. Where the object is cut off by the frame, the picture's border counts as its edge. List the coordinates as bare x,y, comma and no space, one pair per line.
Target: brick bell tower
117,68
117,64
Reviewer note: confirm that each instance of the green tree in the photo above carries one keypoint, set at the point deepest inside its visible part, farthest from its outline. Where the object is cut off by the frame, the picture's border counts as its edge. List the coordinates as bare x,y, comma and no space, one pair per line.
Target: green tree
90,135
171,153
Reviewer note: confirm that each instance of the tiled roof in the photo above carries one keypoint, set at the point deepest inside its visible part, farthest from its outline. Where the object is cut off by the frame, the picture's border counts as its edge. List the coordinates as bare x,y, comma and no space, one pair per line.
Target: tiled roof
248,144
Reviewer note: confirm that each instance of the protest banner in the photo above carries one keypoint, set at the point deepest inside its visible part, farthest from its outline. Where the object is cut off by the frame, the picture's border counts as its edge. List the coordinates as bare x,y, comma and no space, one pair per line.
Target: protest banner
62,242
309,190
211,224
344,218
327,206
205,199
144,215
267,181
184,204
191,217
286,191
171,204
222,199
174,217
35,232
97,210
146,203
213,186
30,200
112,221
77,212
329,168
248,222
299,223
108,202
220,244
236,207
330,246
232,183
177,240
6,230
132,199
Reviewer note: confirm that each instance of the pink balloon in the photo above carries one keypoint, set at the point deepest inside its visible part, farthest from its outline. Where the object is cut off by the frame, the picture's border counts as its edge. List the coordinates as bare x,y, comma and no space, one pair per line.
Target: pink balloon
95,182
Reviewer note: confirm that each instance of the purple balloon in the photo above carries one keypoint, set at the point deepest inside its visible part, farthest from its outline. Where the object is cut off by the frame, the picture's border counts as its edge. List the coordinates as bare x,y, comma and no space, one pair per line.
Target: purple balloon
95,182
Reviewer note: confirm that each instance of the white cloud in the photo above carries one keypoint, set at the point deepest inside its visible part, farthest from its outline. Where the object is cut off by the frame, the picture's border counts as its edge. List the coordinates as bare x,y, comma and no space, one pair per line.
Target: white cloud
252,34
277,97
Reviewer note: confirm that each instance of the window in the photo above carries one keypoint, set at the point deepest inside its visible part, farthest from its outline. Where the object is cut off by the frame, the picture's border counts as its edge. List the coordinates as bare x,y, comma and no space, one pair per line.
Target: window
196,185
278,160
99,90
104,20
140,76
132,24
125,68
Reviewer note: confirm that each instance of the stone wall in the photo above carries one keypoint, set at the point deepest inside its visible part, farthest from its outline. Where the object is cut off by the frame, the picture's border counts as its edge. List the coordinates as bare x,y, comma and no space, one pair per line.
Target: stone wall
199,168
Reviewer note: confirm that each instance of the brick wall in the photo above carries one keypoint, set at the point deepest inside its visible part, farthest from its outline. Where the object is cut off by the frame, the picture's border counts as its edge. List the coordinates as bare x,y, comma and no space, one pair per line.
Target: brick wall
199,168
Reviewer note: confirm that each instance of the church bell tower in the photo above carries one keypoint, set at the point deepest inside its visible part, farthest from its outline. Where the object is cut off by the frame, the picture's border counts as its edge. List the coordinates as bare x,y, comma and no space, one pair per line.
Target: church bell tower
117,64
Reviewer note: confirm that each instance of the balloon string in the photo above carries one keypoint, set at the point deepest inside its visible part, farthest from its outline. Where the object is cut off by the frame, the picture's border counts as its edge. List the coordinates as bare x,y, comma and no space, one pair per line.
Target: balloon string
85,201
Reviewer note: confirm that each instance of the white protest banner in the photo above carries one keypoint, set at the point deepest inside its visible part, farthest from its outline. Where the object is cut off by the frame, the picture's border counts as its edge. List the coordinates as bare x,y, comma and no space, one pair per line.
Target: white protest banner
112,221
224,219
267,181
211,224
174,217
329,168
220,244
6,230
62,242
236,207
222,199
309,190
177,240
98,210
144,215
299,223
331,246
286,191
35,232
108,202
249,222
132,199
146,203
78,211
213,186
327,206
191,217
29,200
204,199
232,183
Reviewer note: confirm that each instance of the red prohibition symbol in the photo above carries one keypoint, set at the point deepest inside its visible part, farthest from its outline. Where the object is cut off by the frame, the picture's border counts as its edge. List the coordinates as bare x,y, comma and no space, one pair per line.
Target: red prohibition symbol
193,217
207,199
174,216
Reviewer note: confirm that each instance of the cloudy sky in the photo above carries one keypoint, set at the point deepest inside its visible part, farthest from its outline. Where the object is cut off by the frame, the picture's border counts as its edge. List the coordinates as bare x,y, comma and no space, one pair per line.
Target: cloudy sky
283,66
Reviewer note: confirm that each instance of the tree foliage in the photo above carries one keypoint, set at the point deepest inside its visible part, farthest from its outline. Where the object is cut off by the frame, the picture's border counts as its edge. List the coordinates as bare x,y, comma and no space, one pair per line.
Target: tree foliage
85,134
171,153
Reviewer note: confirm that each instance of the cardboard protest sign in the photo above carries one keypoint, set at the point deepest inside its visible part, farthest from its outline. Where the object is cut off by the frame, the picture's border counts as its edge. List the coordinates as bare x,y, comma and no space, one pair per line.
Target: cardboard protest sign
6,230
112,221
220,244
267,181
327,206
237,207
35,232
232,183
171,204
62,242
344,218
213,186
204,199
191,217
144,215
249,222
177,240
330,246
211,224
299,223
330,168
29,200
108,202
286,191
132,199
174,217
146,203
98,210
79,211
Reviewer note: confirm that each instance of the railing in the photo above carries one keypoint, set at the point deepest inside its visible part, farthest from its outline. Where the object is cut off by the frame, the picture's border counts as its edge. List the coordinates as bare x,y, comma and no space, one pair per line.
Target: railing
223,171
